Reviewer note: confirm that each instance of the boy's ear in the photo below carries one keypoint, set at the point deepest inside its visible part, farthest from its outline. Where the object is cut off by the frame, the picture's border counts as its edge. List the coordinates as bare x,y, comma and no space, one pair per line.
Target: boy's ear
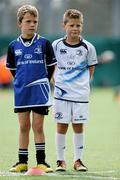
19,24
63,25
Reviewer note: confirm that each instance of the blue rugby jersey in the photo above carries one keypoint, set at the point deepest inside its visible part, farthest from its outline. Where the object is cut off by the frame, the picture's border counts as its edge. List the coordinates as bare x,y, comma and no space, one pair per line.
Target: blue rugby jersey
31,85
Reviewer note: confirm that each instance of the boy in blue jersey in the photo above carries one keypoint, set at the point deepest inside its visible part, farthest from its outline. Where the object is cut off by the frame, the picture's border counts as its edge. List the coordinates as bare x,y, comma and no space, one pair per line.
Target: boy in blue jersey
31,60
76,60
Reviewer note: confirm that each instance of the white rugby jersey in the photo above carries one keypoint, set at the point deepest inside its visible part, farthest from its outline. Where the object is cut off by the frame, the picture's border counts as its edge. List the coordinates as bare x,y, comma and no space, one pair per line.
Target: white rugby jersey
72,73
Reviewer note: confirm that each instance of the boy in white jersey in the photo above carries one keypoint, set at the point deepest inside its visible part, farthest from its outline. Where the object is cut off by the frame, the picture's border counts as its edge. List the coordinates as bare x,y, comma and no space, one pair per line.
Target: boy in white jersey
76,60
31,60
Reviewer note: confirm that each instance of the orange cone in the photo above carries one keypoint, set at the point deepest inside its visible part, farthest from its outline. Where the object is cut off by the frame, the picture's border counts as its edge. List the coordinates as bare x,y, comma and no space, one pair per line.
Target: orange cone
35,172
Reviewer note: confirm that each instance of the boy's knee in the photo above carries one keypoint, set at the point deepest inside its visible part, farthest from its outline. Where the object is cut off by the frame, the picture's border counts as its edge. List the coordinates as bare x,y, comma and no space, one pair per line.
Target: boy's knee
37,127
24,128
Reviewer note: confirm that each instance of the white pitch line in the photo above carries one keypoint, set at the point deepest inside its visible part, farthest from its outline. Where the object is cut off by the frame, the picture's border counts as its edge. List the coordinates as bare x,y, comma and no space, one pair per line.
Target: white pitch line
106,171
90,177
67,175
10,174
23,174
101,177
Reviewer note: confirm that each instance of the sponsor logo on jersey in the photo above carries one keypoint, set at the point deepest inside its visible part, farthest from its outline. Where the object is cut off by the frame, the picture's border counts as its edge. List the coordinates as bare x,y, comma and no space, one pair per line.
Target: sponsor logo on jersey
18,52
71,63
63,51
30,62
79,52
38,50
28,56
70,56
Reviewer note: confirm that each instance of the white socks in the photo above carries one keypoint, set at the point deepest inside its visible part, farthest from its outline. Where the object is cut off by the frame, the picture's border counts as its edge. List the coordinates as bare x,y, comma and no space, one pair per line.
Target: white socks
60,146
78,142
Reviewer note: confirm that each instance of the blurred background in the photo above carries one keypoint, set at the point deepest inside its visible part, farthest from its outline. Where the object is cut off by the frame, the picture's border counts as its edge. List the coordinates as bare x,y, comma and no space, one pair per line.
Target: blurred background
101,28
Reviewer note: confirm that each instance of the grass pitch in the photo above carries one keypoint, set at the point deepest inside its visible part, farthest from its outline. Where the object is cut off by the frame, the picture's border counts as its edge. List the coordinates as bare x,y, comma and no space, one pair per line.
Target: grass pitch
102,144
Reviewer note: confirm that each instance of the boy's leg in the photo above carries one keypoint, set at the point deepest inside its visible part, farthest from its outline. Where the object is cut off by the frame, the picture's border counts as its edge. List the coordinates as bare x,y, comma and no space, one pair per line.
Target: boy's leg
61,145
80,117
61,140
24,124
39,138
62,116
24,128
78,141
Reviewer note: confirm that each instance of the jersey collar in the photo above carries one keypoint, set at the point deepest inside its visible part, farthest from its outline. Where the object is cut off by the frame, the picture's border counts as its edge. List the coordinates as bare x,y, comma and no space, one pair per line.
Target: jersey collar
29,44
75,45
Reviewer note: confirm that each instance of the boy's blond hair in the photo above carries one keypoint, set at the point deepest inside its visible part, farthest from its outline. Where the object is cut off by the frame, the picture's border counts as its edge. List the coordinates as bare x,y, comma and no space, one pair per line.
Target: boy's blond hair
72,14
26,9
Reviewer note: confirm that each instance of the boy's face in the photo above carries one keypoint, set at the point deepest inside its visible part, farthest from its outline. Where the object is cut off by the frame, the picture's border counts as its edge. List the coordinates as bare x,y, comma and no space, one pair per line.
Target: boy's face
28,25
73,28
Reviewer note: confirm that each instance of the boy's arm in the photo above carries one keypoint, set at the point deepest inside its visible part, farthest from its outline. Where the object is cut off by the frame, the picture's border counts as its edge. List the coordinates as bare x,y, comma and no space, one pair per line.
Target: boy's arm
13,72
50,60
92,59
91,71
10,64
50,70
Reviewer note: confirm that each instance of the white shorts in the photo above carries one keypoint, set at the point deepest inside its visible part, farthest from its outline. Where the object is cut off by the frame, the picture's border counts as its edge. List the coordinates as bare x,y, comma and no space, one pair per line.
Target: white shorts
66,112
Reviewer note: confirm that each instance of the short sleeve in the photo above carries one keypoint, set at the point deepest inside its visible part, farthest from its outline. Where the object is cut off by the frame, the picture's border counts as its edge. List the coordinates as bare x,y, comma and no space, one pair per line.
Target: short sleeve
92,56
50,57
10,63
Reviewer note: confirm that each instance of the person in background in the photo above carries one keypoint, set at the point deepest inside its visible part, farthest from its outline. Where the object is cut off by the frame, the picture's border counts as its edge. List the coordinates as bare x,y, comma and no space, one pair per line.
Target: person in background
5,75
31,60
76,60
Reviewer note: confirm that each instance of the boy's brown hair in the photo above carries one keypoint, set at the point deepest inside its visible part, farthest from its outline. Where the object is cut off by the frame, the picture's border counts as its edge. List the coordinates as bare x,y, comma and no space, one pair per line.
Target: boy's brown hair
72,14
26,9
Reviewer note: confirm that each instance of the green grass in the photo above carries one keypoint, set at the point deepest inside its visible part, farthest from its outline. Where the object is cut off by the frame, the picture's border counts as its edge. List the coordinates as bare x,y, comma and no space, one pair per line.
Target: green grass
102,145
